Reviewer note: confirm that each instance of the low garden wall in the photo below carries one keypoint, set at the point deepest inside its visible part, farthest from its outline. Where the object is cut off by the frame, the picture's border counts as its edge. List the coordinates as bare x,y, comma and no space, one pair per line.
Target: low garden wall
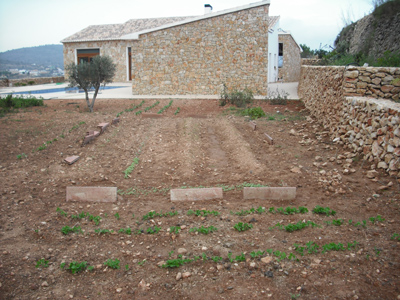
357,105
30,81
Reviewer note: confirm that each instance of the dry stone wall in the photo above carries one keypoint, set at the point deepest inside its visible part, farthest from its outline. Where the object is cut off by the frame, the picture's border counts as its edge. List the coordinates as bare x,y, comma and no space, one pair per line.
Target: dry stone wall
199,57
369,126
290,71
371,81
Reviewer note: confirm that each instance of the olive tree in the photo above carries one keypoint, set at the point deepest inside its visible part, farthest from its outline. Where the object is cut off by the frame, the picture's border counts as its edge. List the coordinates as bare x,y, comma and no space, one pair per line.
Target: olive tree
100,70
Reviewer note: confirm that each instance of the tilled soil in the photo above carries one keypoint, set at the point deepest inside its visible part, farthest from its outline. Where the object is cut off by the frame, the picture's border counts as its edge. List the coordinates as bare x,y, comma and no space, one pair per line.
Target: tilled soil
204,145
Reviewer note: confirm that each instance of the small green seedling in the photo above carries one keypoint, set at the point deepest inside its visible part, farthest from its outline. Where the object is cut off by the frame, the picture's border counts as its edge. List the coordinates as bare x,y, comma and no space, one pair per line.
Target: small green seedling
174,229
337,222
378,218
42,263
255,254
141,263
125,230
395,236
67,230
242,226
113,264
152,230
117,216
76,267
202,212
127,267
21,156
61,212
323,211
203,230
103,231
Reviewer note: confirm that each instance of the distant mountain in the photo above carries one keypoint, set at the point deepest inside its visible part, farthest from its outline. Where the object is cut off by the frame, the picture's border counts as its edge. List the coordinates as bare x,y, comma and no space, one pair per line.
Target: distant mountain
41,56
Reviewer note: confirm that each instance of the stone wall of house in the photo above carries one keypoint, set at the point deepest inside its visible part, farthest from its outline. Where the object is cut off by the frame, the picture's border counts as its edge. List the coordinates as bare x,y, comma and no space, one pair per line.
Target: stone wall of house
117,50
28,81
199,57
310,61
363,123
290,71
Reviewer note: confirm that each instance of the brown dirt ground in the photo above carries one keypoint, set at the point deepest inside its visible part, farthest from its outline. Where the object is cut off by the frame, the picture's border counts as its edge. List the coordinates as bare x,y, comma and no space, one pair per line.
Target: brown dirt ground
203,145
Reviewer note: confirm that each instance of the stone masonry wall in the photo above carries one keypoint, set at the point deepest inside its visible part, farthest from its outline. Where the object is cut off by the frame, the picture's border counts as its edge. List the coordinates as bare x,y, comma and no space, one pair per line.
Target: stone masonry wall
199,57
115,49
36,80
290,71
366,125
372,82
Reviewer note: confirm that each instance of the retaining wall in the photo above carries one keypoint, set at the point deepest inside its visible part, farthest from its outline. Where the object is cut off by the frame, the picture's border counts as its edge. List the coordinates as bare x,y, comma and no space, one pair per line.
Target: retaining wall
349,104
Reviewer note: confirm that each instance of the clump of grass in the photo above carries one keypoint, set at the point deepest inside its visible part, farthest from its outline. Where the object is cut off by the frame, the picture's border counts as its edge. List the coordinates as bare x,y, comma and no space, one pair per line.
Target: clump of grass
61,212
174,229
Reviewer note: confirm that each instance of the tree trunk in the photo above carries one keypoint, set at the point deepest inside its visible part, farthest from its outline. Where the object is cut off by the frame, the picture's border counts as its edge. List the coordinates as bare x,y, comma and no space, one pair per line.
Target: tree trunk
96,90
87,100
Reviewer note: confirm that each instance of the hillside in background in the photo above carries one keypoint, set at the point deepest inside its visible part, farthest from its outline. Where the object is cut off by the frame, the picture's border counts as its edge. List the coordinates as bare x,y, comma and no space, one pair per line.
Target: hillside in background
33,57
374,34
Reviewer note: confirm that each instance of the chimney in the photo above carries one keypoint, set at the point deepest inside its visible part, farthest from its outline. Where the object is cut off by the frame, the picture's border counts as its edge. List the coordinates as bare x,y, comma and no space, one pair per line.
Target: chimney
207,9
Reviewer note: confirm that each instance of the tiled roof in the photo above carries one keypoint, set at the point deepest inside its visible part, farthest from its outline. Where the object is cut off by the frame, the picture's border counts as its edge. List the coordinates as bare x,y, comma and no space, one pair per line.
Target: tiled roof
272,20
128,29
115,31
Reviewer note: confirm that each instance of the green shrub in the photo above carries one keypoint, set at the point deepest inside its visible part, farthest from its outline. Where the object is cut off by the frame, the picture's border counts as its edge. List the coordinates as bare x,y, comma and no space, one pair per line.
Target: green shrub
236,97
254,112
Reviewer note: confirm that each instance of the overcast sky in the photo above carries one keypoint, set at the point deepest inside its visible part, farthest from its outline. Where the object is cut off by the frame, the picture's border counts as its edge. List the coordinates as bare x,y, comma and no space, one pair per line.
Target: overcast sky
27,23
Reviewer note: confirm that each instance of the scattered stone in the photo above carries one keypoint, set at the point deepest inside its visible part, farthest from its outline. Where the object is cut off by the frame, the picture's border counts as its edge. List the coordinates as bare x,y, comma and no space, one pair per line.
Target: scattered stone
292,132
382,165
71,159
372,174
252,265
295,170
45,284
182,251
269,274
91,194
118,290
186,275
266,259
179,276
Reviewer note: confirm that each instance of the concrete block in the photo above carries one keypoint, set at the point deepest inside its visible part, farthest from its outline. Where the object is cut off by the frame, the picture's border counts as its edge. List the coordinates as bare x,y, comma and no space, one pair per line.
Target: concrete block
269,139
103,127
196,194
253,125
92,132
151,115
91,194
71,159
269,193
88,139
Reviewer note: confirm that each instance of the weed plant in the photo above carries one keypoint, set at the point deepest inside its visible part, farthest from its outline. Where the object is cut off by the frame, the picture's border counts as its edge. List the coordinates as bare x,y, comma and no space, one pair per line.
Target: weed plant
12,103
130,169
153,214
165,107
203,213
395,236
174,229
152,106
21,156
177,111
103,231
125,230
236,97
153,230
61,212
254,113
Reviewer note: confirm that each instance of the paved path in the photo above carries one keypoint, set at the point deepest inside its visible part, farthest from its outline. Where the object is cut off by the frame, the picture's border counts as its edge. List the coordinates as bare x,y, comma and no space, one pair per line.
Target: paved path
125,92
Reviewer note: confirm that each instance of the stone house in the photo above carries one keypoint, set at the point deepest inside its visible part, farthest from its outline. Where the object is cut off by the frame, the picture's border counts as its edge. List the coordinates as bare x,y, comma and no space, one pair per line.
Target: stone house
187,55
289,57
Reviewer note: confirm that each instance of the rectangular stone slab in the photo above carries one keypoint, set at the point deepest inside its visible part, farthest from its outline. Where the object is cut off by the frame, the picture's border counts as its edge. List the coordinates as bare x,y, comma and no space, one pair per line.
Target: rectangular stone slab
71,159
91,194
196,194
269,139
253,125
269,193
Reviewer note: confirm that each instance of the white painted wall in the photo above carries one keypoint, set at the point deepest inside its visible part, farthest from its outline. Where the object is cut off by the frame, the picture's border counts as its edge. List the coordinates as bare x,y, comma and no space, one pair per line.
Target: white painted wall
273,47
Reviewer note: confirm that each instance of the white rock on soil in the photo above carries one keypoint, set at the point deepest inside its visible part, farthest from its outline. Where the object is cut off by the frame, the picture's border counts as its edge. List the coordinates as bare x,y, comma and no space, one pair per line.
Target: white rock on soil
186,275
179,276
266,260
182,251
